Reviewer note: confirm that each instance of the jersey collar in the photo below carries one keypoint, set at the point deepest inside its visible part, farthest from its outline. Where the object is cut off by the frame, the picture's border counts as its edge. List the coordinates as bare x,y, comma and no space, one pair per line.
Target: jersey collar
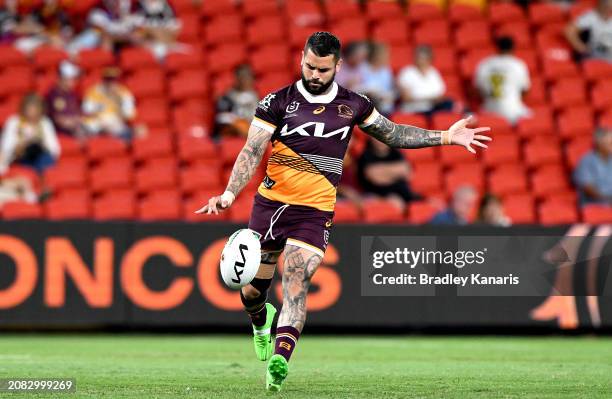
321,98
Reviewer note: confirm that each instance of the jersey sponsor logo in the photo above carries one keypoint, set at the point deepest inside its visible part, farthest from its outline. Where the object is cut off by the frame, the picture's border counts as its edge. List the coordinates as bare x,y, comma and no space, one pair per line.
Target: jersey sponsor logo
319,110
268,183
292,107
344,111
328,224
239,265
319,130
265,102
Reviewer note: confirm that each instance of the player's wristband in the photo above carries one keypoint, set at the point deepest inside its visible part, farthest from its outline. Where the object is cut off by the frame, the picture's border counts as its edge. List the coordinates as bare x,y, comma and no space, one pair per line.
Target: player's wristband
447,137
228,196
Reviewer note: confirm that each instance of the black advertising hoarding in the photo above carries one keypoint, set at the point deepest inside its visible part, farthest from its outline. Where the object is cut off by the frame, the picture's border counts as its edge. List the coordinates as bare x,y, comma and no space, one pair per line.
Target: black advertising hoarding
166,274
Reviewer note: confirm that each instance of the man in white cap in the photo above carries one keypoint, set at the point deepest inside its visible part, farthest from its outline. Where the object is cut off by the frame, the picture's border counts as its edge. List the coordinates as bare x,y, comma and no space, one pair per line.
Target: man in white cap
63,104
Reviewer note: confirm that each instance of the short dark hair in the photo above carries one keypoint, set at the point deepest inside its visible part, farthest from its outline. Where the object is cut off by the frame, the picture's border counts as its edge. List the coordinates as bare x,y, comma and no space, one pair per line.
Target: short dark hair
323,44
504,44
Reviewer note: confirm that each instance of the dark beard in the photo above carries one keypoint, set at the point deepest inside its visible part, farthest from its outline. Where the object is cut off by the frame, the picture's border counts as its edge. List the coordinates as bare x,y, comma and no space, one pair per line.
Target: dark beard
319,90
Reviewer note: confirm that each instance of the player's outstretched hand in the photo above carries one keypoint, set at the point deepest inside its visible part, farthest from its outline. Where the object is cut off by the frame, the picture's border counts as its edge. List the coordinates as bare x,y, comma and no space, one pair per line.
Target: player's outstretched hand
460,134
217,204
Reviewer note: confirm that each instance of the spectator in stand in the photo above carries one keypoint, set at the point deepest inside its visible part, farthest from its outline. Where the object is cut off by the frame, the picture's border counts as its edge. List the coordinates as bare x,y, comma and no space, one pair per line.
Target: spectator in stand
236,108
23,31
378,79
109,107
593,176
460,210
29,137
110,26
351,73
63,102
421,87
491,212
597,26
383,171
348,188
158,28
18,188
502,80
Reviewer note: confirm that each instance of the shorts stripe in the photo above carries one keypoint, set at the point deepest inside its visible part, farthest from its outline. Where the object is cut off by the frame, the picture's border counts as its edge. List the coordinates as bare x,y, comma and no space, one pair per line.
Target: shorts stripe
302,244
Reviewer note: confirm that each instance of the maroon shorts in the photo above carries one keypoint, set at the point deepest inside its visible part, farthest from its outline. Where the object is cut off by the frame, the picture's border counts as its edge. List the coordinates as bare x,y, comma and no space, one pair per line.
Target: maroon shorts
280,224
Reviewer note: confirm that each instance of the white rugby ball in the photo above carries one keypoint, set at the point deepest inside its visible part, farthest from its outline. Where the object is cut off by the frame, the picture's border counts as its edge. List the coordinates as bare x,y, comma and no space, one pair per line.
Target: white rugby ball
240,258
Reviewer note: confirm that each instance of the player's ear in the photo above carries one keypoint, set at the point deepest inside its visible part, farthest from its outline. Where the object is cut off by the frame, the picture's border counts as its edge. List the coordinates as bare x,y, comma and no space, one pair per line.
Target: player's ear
339,65
302,60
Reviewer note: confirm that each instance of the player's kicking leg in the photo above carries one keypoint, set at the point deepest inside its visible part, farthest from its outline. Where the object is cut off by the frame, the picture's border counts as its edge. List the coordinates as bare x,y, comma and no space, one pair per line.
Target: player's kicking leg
262,314
299,266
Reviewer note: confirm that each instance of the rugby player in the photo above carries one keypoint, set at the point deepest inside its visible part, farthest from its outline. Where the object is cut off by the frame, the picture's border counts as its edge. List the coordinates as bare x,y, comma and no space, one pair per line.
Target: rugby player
309,124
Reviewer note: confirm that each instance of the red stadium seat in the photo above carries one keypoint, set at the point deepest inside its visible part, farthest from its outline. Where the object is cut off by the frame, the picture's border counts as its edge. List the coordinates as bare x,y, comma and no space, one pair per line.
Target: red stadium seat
270,59
346,212
69,145
115,205
576,121
340,9
241,210
542,151
66,174
536,96
10,56
498,124
16,80
224,29
161,205
305,13
182,61
421,212
445,60
260,8
149,82
157,175
568,92
381,211
507,179
452,155
218,7
190,30
48,57
520,208
575,150
298,36
392,31
266,30
350,29
597,214
230,148
151,147
460,175
134,58
21,210
114,173
593,69
503,149
459,12
192,149
520,34
548,180
95,58
444,120
383,10
153,112
471,59
422,12
555,69
188,84
410,119
545,13
504,12
556,213
433,33
196,202
601,95
538,124
226,57
67,207
103,147
472,35
426,178
198,177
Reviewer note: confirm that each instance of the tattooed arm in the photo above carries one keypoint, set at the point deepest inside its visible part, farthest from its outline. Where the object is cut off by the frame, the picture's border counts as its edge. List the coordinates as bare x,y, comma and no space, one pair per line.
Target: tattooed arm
244,168
406,136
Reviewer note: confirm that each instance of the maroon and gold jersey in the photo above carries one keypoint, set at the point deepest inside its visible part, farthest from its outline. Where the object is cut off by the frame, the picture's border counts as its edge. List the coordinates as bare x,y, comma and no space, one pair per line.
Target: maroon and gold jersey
310,136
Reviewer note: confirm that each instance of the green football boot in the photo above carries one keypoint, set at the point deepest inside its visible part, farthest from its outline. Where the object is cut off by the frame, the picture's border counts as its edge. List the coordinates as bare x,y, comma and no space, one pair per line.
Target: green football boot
278,368
262,336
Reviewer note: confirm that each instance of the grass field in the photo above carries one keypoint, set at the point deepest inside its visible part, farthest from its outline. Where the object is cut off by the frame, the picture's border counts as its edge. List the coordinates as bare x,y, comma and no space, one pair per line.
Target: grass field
150,366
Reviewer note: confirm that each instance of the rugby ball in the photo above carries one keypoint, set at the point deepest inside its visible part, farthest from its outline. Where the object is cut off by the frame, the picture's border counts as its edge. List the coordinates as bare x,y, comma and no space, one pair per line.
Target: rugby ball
240,258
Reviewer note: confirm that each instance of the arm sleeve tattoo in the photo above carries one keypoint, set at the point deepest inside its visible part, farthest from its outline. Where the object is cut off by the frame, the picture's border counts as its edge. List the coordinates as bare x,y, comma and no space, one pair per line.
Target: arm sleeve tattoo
402,136
248,159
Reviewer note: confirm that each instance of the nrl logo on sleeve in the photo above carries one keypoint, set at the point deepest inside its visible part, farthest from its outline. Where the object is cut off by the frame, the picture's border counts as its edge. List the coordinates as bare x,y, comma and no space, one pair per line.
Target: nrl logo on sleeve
265,103
292,107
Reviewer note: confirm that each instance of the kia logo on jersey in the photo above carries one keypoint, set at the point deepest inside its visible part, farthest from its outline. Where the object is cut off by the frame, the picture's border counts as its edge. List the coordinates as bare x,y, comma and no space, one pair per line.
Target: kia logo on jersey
319,130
